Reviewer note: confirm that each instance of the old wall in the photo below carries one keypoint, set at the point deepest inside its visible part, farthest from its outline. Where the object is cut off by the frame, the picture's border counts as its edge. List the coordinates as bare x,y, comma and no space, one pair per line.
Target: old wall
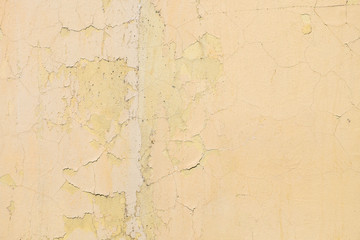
169,119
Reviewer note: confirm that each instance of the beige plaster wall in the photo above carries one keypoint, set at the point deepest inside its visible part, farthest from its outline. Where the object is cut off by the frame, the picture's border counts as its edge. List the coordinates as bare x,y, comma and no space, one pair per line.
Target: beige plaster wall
180,119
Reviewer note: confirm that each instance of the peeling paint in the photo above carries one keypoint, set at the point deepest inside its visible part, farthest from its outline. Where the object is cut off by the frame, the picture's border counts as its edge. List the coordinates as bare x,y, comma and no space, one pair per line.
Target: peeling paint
164,119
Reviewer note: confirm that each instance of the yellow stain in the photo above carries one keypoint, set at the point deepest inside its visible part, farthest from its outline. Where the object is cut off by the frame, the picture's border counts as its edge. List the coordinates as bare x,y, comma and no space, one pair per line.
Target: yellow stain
100,97
109,214
353,2
307,28
69,172
8,180
85,223
106,3
69,188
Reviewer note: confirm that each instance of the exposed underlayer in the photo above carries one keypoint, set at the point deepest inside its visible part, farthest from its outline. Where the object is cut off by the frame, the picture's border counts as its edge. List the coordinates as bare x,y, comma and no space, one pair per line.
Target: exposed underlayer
179,119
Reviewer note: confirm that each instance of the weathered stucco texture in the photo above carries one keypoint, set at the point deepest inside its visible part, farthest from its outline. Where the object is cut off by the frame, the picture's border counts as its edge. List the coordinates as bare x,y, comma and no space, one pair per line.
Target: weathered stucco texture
179,119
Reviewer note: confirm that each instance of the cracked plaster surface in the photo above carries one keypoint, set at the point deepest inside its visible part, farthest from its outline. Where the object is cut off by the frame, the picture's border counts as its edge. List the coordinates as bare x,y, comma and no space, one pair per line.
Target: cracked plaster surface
168,119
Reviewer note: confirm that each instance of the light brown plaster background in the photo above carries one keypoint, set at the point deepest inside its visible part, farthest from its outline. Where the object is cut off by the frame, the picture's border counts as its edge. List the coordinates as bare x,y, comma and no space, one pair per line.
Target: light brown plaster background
169,119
